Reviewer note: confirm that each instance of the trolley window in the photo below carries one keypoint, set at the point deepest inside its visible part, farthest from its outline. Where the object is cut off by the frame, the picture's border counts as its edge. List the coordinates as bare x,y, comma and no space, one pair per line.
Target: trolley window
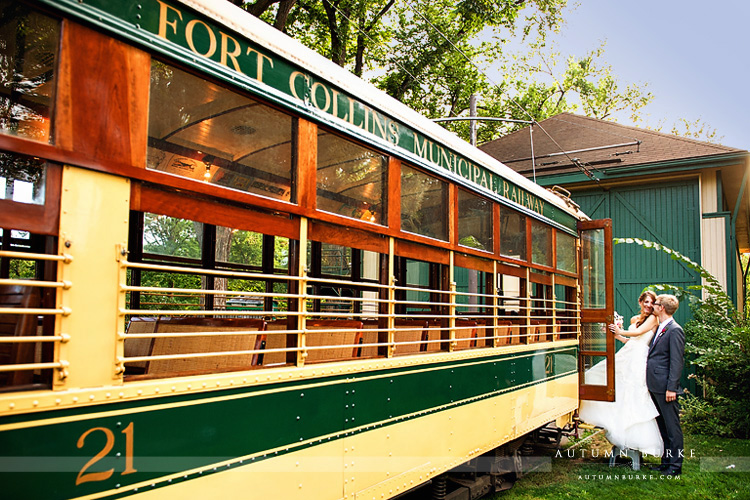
205,132
166,237
566,252
27,76
424,204
474,221
22,178
351,179
512,234
541,244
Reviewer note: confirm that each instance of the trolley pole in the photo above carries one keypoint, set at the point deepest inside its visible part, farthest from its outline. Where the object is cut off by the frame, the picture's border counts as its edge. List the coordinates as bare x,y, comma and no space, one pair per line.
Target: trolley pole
473,114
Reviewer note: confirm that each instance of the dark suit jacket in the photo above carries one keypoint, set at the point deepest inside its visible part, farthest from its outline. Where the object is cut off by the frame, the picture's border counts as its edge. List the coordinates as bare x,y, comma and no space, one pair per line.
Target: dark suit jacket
665,360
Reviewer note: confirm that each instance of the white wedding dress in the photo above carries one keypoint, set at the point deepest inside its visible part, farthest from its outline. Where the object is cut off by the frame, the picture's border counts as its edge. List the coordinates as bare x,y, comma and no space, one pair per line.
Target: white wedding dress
629,420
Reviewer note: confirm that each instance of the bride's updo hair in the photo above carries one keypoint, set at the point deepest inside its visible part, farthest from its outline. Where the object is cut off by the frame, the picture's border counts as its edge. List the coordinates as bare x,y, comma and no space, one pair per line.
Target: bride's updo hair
643,316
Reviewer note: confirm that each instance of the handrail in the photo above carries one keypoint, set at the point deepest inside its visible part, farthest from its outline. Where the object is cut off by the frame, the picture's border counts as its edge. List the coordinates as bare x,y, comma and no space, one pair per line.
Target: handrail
36,311
33,366
41,284
51,338
209,272
534,319
24,337
36,256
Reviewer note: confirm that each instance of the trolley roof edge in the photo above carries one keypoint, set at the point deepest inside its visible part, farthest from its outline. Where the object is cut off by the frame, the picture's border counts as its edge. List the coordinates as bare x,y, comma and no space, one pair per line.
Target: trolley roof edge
281,69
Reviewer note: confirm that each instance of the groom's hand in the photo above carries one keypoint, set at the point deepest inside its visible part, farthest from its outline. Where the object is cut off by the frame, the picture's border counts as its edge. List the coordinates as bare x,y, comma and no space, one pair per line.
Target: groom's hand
671,396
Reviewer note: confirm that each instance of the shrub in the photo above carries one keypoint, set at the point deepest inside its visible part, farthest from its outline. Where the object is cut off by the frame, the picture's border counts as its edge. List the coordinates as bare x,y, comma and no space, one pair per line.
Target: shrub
718,338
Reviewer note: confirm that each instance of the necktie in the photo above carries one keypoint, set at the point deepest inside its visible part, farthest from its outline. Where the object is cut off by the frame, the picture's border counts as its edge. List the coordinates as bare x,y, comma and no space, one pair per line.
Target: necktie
658,334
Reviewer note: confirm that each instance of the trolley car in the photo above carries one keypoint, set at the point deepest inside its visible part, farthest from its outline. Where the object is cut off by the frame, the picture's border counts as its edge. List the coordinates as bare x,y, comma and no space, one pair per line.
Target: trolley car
229,267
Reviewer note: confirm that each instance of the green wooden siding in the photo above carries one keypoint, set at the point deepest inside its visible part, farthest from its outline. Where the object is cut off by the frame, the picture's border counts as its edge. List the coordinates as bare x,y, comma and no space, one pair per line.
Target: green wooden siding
666,213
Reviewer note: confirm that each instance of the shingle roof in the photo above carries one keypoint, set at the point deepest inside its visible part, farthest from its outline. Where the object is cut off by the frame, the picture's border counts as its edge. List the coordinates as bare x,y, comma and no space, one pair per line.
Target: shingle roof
617,146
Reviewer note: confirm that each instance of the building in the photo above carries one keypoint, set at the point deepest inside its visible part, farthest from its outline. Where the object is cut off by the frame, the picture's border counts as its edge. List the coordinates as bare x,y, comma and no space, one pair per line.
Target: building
688,195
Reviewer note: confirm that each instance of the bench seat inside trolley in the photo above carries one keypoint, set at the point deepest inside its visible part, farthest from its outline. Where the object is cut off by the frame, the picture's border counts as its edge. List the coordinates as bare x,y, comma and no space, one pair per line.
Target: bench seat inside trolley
158,347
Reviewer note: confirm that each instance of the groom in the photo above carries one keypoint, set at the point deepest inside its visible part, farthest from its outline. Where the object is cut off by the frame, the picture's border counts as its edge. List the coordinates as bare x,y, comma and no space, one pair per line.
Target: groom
663,372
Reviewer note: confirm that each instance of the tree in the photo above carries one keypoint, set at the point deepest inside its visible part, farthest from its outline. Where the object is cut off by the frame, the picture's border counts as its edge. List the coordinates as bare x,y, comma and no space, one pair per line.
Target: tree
533,89
696,129
433,56
348,32
400,39
441,51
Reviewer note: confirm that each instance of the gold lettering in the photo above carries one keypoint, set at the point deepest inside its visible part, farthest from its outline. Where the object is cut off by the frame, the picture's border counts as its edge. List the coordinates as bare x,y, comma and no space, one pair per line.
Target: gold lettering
259,67
211,37
351,111
336,106
393,128
514,196
462,167
315,87
475,174
448,160
420,149
292,82
382,124
225,54
365,118
483,181
506,187
352,115
85,477
164,22
541,207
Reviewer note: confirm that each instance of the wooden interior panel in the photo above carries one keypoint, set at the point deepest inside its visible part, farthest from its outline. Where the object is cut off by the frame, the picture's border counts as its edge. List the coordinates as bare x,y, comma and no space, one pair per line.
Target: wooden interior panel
496,229
147,198
101,108
453,214
544,279
348,237
470,262
466,334
420,252
519,272
307,160
565,280
394,194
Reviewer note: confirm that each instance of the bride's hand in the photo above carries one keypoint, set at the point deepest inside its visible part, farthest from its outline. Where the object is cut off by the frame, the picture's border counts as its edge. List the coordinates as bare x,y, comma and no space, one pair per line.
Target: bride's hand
614,329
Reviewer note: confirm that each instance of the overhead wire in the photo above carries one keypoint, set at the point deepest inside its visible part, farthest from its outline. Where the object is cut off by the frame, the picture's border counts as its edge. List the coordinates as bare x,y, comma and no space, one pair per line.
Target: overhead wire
533,121
574,161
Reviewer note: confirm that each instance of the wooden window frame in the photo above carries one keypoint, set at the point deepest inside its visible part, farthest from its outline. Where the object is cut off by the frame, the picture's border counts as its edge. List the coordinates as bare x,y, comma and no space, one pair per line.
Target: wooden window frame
38,219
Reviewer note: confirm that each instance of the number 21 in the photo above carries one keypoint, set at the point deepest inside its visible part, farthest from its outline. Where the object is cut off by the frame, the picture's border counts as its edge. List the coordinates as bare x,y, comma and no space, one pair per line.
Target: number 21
84,477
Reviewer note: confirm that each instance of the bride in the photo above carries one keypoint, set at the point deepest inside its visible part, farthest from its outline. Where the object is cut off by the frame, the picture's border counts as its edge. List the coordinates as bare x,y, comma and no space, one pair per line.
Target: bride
630,421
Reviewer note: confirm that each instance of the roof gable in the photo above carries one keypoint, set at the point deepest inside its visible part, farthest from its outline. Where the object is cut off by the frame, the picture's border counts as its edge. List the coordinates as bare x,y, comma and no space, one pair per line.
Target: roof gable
598,144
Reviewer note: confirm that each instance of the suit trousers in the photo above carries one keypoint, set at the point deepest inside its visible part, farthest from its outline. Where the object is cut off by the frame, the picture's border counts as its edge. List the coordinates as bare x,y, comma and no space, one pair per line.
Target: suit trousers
670,430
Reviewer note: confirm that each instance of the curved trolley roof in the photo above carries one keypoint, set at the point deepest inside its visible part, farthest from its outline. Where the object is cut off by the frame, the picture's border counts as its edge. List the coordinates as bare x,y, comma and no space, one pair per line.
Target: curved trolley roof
220,39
